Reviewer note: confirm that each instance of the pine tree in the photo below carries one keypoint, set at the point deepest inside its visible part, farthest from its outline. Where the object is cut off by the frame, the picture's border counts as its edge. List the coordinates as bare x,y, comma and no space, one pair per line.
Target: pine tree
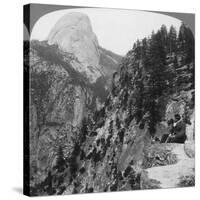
138,113
84,130
147,76
73,165
60,161
137,50
186,43
157,79
172,40
164,34
144,49
157,64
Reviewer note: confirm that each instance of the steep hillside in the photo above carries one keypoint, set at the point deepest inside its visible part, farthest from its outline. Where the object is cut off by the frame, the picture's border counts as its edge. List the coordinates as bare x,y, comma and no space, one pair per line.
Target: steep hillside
67,84
120,142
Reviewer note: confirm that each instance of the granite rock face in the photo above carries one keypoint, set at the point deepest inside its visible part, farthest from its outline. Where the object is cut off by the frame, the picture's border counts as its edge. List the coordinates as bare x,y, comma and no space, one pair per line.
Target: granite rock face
57,104
73,34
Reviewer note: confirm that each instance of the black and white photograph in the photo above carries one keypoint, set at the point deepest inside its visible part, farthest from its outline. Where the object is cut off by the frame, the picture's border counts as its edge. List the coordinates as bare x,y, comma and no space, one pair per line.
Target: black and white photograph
109,100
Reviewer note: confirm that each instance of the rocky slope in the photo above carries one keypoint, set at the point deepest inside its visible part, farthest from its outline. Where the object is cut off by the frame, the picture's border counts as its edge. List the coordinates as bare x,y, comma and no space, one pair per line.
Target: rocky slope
68,81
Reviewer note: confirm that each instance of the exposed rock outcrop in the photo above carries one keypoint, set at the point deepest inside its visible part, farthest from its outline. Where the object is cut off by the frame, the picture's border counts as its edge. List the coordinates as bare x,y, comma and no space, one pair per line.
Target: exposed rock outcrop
73,34
57,104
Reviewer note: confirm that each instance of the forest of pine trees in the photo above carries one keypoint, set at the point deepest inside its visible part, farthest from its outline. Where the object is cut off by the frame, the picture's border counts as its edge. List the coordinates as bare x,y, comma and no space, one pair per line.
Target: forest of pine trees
154,62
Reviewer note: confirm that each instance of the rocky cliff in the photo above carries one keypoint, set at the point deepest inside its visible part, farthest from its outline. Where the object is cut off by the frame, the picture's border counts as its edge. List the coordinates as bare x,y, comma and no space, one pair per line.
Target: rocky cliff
68,81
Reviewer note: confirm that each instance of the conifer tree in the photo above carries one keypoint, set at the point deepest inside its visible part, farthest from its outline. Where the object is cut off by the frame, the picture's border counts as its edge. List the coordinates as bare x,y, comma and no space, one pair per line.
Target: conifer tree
172,40
157,79
186,43
84,130
60,161
164,34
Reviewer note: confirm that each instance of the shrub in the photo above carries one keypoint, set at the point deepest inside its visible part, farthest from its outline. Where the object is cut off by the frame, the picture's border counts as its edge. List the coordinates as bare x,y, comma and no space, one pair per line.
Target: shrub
187,181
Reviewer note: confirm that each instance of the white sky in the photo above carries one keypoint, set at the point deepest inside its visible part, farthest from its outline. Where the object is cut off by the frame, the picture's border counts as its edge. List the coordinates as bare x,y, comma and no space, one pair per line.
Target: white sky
116,29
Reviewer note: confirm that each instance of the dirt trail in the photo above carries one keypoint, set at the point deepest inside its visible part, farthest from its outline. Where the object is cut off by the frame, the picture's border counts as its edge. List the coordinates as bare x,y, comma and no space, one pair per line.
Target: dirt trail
169,176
